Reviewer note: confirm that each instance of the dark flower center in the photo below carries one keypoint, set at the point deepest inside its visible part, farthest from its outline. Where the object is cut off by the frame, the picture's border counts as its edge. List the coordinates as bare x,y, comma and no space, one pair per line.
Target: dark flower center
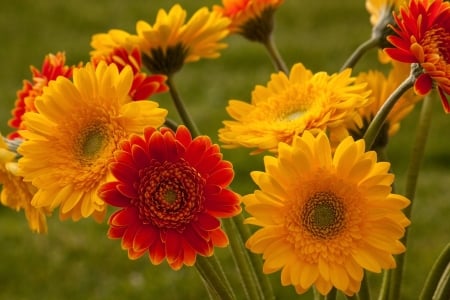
170,194
91,142
323,215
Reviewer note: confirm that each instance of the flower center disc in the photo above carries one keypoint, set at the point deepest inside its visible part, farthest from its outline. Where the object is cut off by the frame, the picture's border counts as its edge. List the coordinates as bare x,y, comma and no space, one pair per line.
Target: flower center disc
170,194
91,142
323,215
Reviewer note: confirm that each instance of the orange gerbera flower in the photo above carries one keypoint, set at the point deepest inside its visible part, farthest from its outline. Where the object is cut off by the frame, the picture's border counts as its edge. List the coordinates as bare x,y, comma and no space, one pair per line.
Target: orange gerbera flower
251,18
52,67
171,190
114,47
423,37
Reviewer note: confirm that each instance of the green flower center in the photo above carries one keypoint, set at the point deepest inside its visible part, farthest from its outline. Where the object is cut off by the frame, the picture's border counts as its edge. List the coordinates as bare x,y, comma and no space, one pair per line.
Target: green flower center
323,215
91,143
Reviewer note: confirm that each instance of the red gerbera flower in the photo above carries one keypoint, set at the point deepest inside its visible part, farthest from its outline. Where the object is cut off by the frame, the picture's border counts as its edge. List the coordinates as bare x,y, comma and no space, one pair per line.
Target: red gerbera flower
171,189
423,37
52,67
143,85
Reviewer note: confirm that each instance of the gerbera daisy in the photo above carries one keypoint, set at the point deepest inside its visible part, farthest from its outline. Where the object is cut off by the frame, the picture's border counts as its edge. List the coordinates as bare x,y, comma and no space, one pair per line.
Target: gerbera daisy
171,42
52,67
79,125
381,88
324,218
171,190
115,47
253,19
422,36
17,194
290,105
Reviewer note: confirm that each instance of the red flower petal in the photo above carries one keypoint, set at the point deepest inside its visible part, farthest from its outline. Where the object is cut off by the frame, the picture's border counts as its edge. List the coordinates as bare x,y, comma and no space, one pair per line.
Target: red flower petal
157,252
219,238
207,222
111,195
173,243
444,100
124,172
123,217
144,237
423,84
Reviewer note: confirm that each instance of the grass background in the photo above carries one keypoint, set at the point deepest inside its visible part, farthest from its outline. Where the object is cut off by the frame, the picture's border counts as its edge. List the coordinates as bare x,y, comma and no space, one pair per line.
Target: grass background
76,260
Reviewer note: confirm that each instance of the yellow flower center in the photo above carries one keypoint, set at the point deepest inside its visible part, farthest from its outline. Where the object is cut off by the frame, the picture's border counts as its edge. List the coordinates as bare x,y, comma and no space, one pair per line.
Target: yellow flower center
323,215
170,194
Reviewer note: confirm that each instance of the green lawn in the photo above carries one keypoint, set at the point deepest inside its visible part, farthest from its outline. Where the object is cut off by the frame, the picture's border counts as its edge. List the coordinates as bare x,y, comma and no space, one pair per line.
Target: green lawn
76,260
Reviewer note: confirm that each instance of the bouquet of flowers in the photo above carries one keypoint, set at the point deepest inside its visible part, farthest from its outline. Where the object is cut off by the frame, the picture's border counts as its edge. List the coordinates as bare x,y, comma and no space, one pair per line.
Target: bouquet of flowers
92,140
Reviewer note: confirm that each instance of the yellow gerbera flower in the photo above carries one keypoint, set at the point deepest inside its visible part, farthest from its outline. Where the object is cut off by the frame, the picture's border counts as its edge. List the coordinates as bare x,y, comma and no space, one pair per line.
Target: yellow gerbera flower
382,87
290,105
171,42
16,193
73,134
324,218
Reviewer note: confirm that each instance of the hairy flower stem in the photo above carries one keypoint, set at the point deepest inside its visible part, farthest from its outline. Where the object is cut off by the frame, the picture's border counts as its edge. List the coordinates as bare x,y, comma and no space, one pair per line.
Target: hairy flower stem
274,54
412,176
437,284
240,255
359,52
181,108
215,279
255,260
381,116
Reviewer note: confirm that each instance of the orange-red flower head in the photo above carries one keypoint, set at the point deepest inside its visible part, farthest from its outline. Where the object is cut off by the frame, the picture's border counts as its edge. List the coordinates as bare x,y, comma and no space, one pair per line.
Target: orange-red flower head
251,18
423,37
172,190
52,67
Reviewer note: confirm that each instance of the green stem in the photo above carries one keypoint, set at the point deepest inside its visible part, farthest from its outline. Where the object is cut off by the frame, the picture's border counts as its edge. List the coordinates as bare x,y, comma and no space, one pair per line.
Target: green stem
410,189
181,108
214,278
384,290
331,295
274,54
246,272
437,283
364,292
255,260
359,52
381,116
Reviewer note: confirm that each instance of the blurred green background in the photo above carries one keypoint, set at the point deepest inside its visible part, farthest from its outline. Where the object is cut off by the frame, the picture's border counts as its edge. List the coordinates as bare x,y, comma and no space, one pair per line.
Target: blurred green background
76,260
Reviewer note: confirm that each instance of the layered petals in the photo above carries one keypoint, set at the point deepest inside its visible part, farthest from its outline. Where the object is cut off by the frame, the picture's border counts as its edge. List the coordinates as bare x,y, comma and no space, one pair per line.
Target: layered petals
171,191
322,223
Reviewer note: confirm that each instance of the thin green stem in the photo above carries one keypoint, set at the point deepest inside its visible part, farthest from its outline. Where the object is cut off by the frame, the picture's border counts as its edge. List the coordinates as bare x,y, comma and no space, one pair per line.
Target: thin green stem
181,108
255,260
364,292
384,290
410,189
331,295
274,54
247,273
359,52
214,278
437,283
381,116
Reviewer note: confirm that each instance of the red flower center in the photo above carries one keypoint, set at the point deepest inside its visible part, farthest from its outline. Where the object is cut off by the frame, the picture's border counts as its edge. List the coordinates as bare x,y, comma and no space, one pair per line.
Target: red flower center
170,194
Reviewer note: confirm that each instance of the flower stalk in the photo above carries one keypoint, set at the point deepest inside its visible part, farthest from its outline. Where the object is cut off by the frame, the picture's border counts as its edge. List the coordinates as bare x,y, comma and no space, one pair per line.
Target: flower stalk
381,116
437,284
275,55
360,51
181,108
214,278
410,188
